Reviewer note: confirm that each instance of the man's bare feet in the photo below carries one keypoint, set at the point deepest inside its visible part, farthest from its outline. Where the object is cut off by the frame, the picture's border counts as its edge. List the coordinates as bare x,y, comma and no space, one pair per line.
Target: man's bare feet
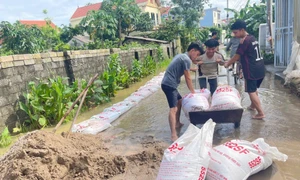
251,108
174,137
258,116
179,125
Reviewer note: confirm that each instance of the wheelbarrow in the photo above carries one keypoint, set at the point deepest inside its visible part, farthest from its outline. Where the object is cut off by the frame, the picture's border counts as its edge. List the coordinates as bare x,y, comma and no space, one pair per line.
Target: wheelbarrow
220,116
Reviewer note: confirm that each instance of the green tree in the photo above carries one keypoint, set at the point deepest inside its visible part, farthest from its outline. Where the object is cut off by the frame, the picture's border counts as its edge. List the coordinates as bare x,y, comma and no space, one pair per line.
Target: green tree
253,15
21,39
125,12
51,36
142,23
168,31
68,32
189,11
99,24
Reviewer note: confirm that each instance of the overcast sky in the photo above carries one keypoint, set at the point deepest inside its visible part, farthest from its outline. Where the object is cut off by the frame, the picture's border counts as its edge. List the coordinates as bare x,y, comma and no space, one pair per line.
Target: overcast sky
60,11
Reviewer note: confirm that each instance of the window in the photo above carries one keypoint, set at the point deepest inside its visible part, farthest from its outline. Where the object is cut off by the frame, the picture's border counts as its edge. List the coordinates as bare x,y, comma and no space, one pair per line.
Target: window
157,19
153,18
136,55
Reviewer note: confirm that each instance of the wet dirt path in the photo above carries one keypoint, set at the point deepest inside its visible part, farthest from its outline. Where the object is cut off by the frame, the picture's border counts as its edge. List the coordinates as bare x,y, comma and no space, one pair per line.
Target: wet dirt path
149,120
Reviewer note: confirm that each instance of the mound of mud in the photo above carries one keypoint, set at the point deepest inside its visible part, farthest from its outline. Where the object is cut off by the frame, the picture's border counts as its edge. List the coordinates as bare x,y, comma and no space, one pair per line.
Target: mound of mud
43,155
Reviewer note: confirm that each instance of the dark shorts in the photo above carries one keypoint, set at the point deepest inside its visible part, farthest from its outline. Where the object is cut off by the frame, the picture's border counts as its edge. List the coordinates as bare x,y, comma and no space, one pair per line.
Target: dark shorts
172,95
252,85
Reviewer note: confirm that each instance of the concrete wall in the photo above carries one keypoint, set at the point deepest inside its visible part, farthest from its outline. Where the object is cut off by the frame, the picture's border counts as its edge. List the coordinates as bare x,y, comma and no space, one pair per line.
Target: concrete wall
18,70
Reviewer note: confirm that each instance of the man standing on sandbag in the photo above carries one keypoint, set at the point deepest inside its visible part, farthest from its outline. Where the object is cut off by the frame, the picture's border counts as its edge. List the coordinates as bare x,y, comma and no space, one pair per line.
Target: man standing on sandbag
179,66
208,65
252,65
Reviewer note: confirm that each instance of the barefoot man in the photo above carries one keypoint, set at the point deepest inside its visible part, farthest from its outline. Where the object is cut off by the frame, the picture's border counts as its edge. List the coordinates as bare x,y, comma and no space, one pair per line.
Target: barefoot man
252,65
179,66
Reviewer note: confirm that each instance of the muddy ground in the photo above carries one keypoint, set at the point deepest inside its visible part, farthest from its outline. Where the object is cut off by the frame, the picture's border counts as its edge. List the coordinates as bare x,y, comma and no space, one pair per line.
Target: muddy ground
43,155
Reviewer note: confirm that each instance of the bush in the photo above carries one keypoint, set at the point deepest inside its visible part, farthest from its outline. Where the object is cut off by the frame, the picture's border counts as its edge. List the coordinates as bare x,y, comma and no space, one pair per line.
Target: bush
5,138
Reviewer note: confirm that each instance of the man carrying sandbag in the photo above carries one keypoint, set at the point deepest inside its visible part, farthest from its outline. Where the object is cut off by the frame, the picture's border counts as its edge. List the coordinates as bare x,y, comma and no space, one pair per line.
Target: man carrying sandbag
252,65
179,66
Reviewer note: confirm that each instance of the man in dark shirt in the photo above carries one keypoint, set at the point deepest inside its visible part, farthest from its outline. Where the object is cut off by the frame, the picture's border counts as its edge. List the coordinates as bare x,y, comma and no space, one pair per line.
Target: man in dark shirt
252,64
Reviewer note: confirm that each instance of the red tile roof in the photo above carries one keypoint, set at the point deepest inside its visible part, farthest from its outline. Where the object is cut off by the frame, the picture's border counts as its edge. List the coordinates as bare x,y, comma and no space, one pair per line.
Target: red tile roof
38,23
140,1
82,11
165,10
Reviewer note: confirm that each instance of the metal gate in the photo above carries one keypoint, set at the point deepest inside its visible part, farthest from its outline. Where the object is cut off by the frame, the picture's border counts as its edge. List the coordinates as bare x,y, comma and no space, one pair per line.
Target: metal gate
283,32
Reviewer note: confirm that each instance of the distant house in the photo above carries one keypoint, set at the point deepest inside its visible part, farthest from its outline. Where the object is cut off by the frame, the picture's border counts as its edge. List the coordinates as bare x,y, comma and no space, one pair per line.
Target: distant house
150,6
38,23
165,13
211,18
79,41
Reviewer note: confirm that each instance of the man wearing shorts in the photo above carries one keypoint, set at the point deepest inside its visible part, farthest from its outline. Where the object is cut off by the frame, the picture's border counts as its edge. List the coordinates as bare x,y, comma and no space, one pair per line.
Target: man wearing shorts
179,66
252,65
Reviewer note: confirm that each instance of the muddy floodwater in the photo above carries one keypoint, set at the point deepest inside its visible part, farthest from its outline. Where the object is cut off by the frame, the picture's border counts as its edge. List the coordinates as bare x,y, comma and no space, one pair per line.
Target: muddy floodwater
280,128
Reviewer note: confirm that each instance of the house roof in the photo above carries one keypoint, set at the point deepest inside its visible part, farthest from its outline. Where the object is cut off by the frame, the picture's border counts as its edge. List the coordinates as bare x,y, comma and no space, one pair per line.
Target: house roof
82,11
38,23
146,39
165,10
140,1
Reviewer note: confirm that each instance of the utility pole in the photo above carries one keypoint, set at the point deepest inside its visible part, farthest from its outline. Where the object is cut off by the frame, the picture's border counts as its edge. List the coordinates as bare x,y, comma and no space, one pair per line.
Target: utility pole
270,20
227,12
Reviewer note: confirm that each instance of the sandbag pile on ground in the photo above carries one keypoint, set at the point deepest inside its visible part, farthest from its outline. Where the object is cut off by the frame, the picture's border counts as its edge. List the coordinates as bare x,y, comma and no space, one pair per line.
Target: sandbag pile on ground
191,156
102,121
239,159
187,158
226,97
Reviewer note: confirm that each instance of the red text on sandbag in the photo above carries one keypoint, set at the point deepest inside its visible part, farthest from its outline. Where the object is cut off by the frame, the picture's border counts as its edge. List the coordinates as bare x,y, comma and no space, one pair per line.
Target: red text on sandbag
236,147
255,162
202,173
174,147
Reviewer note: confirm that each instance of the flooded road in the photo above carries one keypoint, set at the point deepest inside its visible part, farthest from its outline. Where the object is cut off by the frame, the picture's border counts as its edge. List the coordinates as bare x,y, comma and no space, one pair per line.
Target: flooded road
280,128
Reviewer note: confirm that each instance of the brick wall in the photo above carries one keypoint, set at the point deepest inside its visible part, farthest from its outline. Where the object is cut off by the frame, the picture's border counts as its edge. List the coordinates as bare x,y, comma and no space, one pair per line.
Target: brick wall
17,71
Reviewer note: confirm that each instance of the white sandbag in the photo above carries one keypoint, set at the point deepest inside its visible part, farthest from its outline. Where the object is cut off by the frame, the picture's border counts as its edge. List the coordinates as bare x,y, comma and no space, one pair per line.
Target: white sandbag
134,98
120,108
226,97
108,116
292,75
91,126
187,158
143,92
204,92
294,59
239,159
194,102
151,87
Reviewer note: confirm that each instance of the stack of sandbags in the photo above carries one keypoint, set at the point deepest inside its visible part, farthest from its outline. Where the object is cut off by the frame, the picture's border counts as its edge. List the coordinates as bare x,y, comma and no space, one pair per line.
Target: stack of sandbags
100,122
